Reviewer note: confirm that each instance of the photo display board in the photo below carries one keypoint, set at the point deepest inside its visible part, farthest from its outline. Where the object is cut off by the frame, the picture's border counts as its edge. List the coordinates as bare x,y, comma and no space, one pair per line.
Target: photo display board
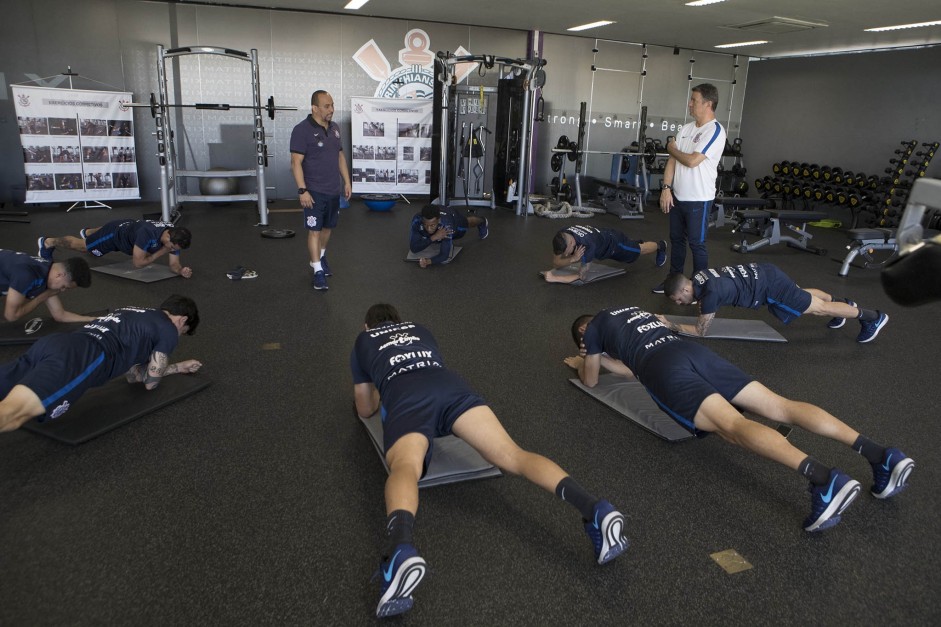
77,144
391,145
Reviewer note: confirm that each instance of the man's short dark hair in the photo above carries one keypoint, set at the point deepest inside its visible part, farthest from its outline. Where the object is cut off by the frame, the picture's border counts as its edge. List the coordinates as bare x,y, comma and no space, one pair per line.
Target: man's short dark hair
180,236
577,334
182,306
709,93
381,312
558,243
315,97
77,269
673,283
431,212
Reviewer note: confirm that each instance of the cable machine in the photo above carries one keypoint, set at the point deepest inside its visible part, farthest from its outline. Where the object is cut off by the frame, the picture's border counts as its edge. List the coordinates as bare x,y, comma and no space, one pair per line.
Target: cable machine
512,141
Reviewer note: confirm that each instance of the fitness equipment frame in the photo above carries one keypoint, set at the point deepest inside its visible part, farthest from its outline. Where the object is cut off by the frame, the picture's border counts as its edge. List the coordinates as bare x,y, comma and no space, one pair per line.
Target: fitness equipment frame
446,76
170,171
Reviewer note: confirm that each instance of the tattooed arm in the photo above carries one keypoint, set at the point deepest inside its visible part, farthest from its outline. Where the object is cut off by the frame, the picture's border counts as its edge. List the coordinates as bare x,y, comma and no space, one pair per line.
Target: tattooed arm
158,368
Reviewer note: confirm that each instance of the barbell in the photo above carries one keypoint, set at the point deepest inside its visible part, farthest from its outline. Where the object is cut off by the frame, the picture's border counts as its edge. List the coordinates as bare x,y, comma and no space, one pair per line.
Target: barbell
154,106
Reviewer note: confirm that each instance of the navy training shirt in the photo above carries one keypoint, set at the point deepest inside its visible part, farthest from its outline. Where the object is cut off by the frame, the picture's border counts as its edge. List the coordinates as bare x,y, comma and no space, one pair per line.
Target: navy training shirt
385,352
145,234
130,335
740,286
629,334
26,274
598,243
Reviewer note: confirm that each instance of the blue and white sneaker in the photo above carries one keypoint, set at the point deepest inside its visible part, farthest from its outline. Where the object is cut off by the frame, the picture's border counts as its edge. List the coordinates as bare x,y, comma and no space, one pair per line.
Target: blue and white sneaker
827,502
483,229
891,475
45,251
661,253
606,531
401,574
82,233
836,323
325,266
871,329
320,281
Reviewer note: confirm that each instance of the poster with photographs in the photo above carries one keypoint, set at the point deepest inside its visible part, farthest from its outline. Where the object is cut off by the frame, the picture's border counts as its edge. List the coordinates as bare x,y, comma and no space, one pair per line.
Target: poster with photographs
391,144
77,144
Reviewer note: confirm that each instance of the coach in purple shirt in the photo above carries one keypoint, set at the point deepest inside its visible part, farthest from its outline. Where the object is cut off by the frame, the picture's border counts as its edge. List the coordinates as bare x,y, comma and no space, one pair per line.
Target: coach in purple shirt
320,172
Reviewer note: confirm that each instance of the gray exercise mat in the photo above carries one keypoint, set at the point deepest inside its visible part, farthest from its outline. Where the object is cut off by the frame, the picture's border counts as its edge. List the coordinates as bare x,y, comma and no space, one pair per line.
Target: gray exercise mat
452,459
28,330
147,274
432,251
629,398
115,404
596,272
733,329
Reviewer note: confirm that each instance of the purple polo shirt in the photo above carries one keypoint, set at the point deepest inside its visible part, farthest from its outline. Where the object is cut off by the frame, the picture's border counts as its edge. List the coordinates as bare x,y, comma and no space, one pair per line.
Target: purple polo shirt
321,148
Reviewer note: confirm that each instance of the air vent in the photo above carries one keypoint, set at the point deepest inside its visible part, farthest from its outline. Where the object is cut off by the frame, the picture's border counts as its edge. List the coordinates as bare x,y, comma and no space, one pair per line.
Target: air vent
778,25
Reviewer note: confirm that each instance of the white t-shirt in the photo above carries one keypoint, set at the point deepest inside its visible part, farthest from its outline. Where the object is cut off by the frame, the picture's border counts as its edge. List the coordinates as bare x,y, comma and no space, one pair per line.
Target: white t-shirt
699,183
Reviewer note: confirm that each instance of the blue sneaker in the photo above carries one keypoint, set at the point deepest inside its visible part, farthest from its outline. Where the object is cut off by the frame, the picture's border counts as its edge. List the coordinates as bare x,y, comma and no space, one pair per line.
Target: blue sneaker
606,531
890,476
320,281
836,323
45,251
483,229
401,574
871,329
661,253
828,501
325,266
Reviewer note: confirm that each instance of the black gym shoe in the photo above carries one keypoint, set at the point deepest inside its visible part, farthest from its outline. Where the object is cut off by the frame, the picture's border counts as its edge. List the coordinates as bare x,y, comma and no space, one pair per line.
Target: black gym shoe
869,330
320,281
661,253
659,289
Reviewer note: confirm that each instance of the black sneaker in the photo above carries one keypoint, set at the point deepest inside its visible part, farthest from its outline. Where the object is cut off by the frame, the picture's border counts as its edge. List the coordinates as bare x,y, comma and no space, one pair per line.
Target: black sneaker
661,253
836,323
659,289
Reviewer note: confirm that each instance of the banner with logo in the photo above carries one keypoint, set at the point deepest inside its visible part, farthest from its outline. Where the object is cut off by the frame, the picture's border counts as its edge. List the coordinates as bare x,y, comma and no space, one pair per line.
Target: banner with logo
391,141
77,144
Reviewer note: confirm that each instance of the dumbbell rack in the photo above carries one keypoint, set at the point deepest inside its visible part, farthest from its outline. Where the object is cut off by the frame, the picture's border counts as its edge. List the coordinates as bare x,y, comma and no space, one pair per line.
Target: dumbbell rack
906,167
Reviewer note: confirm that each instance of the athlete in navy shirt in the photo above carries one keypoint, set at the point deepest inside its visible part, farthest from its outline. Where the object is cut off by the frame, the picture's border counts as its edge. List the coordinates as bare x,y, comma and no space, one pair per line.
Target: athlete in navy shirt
755,285
26,281
583,244
399,363
59,368
442,225
706,394
144,240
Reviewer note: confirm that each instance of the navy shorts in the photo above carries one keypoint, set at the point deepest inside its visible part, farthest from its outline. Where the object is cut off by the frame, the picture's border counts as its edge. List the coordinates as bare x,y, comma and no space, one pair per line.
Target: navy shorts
681,375
101,242
427,401
786,300
58,368
626,251
324,214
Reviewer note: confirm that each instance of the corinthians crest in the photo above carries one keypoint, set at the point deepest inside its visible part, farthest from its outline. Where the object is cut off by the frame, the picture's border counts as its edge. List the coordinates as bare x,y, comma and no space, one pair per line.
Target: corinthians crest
415,77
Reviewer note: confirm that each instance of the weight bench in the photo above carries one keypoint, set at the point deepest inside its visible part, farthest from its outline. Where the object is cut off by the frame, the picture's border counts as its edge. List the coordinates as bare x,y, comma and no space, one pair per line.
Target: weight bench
115,404
452,459
863,242
733,204
769,225
620,199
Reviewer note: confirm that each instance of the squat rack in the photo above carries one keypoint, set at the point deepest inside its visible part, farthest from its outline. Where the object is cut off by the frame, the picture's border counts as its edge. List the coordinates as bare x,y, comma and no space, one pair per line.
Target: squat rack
170,171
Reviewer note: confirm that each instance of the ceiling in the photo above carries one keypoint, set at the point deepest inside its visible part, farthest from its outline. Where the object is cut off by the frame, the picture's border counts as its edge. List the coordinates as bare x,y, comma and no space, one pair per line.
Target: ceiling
670,22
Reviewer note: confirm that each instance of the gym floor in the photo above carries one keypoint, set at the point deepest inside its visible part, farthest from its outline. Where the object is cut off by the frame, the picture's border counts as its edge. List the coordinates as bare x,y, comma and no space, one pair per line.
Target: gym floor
260,500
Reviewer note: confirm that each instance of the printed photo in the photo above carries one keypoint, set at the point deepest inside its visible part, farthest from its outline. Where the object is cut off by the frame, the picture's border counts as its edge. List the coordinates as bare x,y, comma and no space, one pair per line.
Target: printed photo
39,182
72,180
119,128
65,154
374,129
409,130
94,128
33,126
123,179
95,154
37,154
63,126
364,152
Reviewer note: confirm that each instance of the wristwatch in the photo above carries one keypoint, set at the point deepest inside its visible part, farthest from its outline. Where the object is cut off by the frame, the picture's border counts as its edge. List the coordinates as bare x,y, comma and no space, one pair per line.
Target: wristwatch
301,191
669,187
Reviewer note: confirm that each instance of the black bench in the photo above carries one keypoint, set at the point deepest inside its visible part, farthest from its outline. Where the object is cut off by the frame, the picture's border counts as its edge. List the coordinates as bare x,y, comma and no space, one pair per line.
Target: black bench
769,224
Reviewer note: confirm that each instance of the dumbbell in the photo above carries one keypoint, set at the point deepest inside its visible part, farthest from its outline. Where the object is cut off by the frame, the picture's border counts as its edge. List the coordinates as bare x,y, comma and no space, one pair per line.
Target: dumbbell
776,167
816,172
849,178
836,175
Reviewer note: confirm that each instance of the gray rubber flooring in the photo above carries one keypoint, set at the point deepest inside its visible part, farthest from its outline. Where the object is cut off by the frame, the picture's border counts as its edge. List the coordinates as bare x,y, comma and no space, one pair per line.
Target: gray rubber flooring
259,500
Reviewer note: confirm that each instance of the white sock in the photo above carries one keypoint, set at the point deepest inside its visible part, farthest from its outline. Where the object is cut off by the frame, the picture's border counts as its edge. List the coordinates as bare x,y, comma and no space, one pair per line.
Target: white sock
317,267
